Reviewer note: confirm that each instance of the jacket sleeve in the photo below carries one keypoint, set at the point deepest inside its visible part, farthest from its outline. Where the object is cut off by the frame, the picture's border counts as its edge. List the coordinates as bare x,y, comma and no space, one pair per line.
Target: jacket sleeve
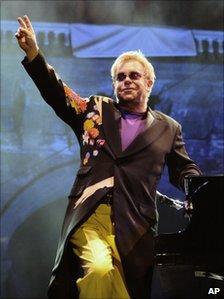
67,104
179,163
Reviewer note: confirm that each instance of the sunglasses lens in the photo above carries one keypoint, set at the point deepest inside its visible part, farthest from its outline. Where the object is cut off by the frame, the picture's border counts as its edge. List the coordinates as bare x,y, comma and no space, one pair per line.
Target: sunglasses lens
134,76
121,77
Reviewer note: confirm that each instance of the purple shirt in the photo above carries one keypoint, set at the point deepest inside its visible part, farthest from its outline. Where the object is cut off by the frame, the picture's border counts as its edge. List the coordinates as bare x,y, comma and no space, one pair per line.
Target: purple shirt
131,125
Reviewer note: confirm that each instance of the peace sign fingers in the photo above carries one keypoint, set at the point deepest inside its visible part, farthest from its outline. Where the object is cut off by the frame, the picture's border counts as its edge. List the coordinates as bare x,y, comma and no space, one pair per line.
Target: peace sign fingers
25,23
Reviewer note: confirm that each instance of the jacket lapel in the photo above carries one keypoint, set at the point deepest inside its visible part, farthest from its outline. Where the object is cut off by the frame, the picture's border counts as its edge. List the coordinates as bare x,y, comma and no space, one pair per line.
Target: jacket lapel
154,129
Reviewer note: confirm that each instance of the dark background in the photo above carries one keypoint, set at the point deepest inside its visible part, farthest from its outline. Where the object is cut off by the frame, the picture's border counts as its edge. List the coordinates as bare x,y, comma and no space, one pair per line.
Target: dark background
191,14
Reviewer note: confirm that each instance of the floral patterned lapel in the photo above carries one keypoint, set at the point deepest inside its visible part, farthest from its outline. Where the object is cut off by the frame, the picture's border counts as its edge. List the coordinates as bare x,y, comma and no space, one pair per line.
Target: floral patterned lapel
91,136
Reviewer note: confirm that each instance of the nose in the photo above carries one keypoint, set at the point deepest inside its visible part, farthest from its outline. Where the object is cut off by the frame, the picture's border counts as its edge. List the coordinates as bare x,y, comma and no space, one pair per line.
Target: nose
127,80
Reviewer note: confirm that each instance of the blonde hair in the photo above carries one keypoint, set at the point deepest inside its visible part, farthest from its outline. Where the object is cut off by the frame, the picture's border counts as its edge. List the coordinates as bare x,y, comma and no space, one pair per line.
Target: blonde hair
137,56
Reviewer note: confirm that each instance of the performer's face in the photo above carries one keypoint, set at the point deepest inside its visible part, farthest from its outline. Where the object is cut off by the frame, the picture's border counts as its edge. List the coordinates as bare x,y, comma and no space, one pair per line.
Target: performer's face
131,83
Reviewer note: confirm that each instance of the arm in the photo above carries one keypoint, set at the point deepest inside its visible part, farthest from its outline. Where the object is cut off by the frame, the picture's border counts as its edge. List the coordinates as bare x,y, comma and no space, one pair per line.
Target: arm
179,163
66,103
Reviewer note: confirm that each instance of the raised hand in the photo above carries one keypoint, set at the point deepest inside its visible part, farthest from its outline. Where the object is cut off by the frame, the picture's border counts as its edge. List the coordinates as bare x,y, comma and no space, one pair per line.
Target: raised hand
27,38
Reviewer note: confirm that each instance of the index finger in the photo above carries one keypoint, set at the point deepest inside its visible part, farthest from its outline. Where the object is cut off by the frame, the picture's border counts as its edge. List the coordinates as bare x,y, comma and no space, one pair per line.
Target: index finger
21,22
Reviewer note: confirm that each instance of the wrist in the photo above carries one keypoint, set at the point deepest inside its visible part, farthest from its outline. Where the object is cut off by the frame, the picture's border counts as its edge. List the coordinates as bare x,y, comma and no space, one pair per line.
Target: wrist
32,54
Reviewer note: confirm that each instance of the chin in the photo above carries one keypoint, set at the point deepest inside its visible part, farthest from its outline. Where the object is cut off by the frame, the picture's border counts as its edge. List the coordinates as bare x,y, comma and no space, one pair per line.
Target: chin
126,98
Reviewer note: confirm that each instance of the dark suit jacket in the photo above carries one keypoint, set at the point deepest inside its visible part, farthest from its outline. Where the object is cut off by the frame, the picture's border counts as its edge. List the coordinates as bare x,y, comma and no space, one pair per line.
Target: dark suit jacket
136,172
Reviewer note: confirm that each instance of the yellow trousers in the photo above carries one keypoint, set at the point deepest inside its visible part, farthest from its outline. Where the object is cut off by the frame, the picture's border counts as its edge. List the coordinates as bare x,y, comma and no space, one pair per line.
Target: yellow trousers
94,244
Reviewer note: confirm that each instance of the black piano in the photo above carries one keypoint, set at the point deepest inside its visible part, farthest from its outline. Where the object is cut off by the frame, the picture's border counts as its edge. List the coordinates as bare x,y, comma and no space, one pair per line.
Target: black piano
190,263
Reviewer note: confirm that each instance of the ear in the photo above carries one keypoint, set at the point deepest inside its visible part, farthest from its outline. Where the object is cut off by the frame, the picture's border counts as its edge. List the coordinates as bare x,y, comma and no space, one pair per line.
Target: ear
149,83
113,85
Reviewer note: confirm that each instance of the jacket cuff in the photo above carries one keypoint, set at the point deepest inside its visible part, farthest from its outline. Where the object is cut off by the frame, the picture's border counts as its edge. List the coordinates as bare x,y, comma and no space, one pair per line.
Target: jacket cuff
26,63
190,172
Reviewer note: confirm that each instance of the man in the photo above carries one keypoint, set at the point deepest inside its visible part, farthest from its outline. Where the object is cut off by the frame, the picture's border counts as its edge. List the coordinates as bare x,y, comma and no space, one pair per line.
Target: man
106,245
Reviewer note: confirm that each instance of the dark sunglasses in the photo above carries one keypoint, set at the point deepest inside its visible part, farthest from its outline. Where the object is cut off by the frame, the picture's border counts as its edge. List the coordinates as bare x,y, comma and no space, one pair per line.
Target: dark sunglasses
132,75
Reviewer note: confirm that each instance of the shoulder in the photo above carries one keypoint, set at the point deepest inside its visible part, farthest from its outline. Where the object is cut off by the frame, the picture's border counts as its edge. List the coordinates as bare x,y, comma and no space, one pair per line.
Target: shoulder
100,99
97,101
169,120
